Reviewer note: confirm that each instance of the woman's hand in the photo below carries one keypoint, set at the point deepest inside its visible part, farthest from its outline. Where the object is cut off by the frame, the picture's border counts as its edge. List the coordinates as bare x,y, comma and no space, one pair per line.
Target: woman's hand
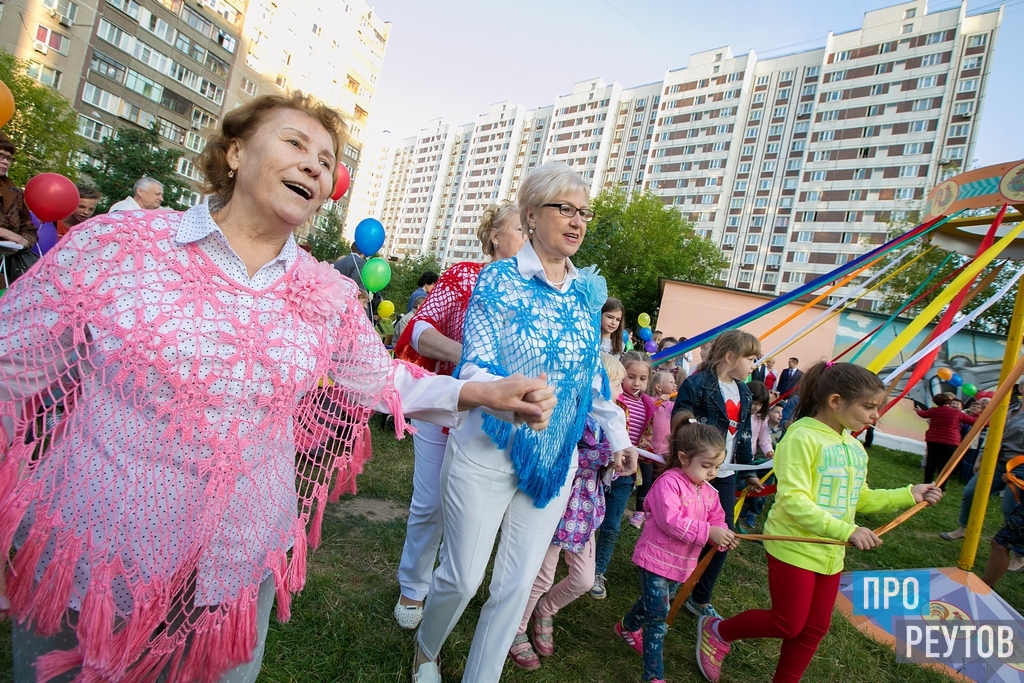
625,461
6,234
530,398
927,493
723,538
863,538
754,484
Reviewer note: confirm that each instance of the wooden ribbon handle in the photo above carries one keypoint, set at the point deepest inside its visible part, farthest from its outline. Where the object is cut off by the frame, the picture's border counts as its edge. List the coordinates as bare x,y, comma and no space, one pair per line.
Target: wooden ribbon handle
687,587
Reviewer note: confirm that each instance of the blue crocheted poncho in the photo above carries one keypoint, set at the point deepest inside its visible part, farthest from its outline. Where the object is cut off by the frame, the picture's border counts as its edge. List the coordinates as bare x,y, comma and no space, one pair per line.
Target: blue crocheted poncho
518,325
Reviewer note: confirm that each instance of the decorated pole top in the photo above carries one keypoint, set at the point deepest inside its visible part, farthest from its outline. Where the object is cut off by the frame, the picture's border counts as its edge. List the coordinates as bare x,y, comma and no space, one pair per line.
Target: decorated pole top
982,188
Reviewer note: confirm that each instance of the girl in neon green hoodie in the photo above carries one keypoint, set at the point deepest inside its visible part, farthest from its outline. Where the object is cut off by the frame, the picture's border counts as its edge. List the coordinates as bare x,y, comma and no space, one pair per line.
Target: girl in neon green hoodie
822,473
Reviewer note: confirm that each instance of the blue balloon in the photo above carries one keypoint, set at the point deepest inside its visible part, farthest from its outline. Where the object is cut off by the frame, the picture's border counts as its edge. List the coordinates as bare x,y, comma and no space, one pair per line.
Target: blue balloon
956,380
645,333
625,335
369,236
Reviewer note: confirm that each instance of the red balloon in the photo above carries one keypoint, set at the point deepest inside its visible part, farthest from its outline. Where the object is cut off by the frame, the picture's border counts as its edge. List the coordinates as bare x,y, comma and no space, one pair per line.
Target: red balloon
51,197
344,180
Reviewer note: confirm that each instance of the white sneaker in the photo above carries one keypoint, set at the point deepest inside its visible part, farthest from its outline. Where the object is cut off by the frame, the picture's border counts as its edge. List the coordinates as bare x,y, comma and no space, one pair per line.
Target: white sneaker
1016,563
408,616
427,672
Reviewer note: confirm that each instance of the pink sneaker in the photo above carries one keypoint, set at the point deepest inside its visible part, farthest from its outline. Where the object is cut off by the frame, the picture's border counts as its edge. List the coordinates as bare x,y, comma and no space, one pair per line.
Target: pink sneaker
711,650
635,639
637,520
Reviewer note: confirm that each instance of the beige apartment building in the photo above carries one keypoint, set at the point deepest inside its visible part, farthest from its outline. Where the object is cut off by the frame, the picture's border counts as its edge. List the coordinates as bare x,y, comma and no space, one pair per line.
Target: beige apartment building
791,164
182,65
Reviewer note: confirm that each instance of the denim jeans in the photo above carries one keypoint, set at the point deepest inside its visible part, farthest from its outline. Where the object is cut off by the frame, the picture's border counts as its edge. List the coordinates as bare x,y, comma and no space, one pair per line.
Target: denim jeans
649,612
998,485
616,497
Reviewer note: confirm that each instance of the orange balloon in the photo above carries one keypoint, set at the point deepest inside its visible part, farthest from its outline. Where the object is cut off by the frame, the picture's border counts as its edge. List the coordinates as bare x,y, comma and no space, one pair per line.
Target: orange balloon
6,104
944,374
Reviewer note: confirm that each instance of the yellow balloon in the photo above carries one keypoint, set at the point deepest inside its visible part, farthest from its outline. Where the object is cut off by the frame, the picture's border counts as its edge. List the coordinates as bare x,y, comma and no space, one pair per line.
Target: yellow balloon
644,320
6,104
385,309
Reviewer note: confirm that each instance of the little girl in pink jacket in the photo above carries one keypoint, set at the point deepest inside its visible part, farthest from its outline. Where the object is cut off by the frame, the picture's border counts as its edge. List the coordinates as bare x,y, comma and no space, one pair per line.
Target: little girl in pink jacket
684,514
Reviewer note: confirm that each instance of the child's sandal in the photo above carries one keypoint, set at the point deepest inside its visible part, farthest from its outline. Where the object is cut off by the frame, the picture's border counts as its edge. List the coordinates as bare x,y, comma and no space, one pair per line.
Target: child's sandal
522,655
543,635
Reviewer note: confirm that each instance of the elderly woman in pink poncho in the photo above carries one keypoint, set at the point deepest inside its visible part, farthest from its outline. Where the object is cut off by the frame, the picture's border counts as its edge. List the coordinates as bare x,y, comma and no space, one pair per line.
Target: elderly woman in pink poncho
162,377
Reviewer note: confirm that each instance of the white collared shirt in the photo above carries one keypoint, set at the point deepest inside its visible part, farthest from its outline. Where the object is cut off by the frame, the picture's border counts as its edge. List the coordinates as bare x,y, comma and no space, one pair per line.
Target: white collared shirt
530,267
197,225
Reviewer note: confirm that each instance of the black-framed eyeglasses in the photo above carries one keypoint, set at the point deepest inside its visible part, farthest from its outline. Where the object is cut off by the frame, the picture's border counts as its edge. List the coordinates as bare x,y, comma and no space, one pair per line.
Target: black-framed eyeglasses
568,210
4,156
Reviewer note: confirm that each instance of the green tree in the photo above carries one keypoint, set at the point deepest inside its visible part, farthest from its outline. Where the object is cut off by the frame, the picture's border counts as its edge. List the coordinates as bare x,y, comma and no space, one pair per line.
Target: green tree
404,275
126,157
939,261
42,128
325,242
636,242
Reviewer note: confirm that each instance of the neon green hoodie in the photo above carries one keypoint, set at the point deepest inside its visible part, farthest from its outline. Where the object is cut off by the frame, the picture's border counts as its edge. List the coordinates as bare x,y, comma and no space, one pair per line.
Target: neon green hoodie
822,485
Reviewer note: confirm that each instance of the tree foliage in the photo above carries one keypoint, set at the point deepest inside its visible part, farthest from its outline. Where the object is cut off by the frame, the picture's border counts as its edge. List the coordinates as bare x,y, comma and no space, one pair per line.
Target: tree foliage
404,275
42,128
326,242
995,320
133,153
636,242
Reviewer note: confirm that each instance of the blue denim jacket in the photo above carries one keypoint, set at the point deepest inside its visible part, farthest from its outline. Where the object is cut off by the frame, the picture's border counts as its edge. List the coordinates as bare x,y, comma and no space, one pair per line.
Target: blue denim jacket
701,395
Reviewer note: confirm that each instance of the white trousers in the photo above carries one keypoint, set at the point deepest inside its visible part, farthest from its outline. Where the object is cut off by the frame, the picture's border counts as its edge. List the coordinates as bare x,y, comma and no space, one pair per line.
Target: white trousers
426,521
478,500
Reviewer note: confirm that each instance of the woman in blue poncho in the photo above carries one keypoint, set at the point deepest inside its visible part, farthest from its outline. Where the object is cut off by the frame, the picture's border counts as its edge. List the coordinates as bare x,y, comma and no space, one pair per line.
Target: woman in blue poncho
538,315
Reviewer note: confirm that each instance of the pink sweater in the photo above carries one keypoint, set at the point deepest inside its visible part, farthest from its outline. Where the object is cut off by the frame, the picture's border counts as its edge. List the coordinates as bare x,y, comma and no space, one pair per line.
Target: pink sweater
186,468
680,516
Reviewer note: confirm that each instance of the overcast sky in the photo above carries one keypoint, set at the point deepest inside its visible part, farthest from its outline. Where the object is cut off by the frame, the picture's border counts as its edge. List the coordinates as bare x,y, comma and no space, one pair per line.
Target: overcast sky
454,58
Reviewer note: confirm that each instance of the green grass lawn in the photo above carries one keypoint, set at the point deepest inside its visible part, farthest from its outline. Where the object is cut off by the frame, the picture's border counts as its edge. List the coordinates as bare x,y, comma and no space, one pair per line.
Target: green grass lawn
342,629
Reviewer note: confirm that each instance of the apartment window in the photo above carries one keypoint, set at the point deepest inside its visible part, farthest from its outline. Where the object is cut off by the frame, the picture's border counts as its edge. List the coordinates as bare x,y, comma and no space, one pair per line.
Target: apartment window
876,110
170,131
927,81
248,87
801,257
786,203
833,96
908,171
976,41
744,167
768,166
761,203
53,40
66,10
789,183
793,165
783,94
921,105
969,85
827,135
786,76
753,239
92,129
907,28
746,276
44,74
931,60
777,241
914,148
801,127
146,87
954,153
771,148
721,129
905,193
763,80
837,76
129,7
870,131
729,238
842,56
733,221
830,115
758,97
747,150
963,108
101,99
910,13
718,147
972,62
736,203
195,142
752,132
959,130
813,71
814,196
797,146
740,186
861,174
817,176
821,155
809,90
796,278
918,126
779,112
771,279
878,89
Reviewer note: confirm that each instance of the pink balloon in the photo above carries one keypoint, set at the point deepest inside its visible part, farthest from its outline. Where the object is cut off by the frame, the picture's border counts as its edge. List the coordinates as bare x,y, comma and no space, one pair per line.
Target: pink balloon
51,197
341,186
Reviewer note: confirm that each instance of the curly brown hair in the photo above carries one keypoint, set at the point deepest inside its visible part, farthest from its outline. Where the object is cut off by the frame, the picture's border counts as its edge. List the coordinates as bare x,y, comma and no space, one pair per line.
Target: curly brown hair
241,123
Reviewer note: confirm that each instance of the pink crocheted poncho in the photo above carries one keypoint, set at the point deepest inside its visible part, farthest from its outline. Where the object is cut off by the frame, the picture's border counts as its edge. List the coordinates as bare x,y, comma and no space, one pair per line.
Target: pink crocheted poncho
168,434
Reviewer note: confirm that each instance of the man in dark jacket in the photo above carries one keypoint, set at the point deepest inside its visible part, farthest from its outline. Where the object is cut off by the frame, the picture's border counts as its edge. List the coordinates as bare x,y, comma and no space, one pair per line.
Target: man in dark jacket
790,377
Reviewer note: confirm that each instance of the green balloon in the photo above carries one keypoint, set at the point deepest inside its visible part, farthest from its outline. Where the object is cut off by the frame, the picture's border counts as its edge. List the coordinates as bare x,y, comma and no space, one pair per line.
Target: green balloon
376,274
969,389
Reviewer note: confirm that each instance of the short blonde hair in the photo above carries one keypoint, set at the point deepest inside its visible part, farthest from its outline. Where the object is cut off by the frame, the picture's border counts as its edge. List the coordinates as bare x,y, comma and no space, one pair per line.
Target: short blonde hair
241,123
547,183
615,369
495,219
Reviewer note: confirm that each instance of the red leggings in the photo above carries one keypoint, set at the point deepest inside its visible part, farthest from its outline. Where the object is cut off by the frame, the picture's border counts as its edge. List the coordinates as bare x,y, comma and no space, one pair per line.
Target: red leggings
801,613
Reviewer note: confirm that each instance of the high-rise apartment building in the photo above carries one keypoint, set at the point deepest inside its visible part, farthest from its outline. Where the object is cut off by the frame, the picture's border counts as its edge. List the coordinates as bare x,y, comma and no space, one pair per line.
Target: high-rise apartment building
791,164
182,65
